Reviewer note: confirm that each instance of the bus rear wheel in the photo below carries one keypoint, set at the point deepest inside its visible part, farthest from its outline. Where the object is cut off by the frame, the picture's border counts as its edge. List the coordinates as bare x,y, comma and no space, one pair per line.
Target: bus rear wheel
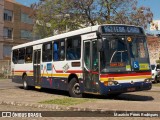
25,84
74,88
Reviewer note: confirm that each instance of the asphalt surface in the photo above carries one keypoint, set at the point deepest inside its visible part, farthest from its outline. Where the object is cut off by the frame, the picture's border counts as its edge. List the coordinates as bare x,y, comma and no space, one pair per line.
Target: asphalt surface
14,98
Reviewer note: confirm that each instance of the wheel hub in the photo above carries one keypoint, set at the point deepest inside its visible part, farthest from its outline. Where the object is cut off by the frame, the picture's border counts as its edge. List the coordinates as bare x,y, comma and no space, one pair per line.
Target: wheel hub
76,88
25,84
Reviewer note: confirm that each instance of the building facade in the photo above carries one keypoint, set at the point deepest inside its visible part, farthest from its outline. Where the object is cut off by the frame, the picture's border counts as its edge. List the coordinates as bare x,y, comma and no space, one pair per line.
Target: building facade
16,26
154,48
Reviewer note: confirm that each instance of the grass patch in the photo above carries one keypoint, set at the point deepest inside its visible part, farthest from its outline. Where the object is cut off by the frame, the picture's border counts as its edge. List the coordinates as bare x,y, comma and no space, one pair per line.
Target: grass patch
66,101
156,84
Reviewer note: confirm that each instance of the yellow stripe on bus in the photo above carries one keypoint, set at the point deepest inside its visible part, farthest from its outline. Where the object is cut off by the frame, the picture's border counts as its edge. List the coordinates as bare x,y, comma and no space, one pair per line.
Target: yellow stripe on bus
20,74
54,75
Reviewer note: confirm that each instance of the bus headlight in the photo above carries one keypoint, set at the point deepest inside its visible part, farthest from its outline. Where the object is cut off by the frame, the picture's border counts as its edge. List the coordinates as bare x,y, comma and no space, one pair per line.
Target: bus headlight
111,82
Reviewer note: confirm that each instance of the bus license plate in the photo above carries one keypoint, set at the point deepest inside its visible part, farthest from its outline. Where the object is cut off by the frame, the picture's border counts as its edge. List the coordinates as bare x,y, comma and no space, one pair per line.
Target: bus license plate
131,89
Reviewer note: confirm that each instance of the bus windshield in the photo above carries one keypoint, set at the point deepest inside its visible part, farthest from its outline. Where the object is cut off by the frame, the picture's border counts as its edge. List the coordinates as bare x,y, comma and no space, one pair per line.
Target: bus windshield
124,53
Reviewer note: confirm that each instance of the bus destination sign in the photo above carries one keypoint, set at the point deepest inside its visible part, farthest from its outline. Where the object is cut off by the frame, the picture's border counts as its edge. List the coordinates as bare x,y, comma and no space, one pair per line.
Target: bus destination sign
121,29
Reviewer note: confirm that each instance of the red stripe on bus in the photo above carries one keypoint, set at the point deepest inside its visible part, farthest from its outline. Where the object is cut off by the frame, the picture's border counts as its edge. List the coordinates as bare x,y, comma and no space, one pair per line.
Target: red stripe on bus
57,71
23,71
69,71
121,75
74,71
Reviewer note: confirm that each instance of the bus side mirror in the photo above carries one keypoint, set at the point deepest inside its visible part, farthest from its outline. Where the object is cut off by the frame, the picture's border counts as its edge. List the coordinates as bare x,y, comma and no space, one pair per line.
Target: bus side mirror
99,36
100,42
99,45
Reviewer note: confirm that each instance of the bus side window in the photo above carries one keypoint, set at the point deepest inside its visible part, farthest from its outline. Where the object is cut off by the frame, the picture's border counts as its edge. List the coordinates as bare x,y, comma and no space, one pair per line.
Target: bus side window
73,48
59,50
55,51
15,56
47,52
62,50
28,57
21,56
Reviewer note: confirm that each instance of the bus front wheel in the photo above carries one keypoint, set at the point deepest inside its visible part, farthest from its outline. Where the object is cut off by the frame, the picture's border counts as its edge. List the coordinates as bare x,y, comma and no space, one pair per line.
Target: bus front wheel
74,88
25,84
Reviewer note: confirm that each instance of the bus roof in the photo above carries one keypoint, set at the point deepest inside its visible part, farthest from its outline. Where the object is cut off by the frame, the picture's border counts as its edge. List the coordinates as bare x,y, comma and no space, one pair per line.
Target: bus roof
64,35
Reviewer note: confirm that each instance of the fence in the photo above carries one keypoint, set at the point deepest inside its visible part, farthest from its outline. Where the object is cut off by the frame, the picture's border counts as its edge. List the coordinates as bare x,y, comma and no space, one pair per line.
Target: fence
5,69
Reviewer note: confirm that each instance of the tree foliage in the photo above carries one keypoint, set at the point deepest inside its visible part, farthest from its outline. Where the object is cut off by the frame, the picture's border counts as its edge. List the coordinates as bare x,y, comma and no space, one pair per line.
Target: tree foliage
67,15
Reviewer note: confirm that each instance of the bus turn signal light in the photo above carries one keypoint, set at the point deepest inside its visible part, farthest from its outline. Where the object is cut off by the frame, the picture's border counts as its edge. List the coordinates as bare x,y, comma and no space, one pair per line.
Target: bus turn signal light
110,82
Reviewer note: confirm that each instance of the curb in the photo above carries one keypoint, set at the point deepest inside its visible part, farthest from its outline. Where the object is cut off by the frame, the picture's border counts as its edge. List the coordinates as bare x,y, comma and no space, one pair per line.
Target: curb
51,107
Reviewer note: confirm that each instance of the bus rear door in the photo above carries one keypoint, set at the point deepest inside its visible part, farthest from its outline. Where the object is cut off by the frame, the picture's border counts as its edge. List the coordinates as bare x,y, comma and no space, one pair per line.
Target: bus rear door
37,65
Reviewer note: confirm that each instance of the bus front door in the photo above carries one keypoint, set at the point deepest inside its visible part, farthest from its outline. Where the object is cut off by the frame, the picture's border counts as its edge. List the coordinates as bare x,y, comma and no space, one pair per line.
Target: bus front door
91,69
37,67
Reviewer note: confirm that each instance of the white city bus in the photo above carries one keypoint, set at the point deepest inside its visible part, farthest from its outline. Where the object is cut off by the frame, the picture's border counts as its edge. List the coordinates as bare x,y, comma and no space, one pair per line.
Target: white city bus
102,59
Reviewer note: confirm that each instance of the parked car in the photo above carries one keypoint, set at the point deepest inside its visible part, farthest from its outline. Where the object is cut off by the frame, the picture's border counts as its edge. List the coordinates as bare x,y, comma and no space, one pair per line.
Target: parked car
155,73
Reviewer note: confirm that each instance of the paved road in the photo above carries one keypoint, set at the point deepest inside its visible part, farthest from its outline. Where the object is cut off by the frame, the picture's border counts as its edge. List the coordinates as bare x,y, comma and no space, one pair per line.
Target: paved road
8,84
13,97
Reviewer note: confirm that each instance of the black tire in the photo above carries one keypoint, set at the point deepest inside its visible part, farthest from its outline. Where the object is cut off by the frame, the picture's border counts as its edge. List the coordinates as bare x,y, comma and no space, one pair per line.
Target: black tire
114,95
156,81
25,84
74,88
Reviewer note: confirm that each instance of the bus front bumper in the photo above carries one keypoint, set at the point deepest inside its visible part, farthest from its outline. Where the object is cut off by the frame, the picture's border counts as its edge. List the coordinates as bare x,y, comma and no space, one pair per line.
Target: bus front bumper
125,87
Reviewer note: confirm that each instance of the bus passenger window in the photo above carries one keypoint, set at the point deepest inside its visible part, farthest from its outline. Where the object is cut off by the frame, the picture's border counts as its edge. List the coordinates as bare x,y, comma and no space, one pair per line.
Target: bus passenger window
62,51
47,52
73,48
28,57
15,56
21,56
59,50
55,52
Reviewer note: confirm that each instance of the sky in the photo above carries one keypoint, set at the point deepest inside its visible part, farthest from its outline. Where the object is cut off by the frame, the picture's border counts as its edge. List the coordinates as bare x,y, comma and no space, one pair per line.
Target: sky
155,8
27,2
153,4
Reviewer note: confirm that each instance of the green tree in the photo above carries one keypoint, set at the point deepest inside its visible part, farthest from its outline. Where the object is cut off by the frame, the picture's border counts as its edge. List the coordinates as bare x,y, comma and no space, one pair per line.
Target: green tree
67,15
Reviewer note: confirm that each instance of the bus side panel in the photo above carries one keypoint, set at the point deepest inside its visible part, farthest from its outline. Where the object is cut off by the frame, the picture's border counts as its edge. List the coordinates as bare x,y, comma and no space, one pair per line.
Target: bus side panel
55,75
54,83
52,77
17,79
58,83
20,70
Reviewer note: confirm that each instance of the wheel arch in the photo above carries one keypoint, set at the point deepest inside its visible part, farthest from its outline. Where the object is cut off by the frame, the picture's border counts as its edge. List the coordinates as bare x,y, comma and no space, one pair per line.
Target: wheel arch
24,74
72,75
